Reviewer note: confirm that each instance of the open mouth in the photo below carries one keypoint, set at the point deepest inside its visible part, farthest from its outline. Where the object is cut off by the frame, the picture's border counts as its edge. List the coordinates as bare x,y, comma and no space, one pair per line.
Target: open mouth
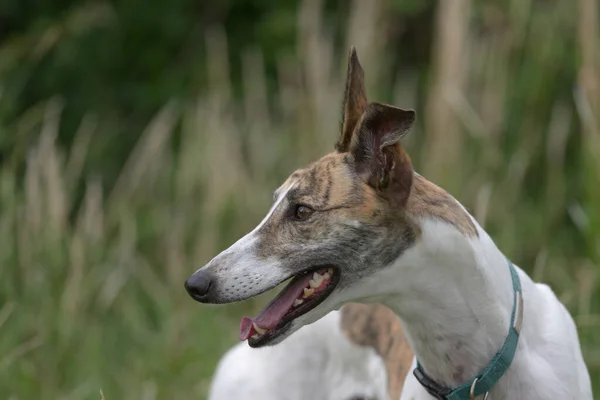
304,292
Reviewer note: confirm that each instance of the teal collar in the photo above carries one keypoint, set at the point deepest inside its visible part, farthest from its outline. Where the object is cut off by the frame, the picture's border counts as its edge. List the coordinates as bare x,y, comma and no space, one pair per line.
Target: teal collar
500,363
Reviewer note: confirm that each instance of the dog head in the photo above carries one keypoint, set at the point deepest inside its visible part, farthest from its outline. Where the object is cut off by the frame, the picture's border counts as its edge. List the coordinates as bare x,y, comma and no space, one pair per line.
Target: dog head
333,225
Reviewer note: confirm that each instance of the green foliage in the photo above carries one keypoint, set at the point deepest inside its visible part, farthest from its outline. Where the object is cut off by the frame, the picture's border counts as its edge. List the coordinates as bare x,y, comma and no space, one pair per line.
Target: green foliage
109,198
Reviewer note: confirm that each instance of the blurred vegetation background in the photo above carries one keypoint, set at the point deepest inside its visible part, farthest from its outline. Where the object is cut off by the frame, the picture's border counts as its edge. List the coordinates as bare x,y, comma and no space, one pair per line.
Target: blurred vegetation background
138,139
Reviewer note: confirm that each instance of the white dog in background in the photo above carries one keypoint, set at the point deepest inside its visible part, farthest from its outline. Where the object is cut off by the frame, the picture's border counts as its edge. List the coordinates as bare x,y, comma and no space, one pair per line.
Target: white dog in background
357,353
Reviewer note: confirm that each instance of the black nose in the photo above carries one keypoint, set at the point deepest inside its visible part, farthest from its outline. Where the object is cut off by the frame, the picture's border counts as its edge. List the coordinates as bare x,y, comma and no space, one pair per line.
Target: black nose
198,285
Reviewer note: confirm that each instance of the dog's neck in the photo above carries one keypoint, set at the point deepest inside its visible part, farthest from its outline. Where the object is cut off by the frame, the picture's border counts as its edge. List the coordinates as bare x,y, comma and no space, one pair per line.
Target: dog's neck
454,295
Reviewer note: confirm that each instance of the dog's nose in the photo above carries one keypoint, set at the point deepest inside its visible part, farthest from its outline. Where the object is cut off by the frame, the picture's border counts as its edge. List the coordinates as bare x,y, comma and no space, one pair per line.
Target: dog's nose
198,285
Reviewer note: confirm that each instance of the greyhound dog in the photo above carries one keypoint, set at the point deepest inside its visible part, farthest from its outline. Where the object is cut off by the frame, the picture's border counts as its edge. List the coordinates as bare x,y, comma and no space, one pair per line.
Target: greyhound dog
360,225
357,353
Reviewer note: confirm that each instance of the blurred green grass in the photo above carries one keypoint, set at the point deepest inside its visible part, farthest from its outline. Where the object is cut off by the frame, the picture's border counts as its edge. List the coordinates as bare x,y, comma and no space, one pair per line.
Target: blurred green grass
91,276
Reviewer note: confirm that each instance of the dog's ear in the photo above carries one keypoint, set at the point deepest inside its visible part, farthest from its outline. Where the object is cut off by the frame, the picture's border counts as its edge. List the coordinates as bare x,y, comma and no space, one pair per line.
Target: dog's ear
379,158
355,101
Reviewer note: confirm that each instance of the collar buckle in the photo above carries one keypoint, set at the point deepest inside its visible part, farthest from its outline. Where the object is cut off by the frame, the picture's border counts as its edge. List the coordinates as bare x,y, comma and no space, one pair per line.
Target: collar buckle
472,391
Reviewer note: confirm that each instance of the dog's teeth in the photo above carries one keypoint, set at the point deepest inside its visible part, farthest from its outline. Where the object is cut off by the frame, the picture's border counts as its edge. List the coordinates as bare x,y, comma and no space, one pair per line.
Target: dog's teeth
326,276
313,284
258,329
297,302
308,292
255,336
330,271
317,278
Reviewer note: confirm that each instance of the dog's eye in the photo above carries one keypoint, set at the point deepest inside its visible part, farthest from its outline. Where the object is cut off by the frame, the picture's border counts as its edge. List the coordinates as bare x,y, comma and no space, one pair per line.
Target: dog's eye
303,212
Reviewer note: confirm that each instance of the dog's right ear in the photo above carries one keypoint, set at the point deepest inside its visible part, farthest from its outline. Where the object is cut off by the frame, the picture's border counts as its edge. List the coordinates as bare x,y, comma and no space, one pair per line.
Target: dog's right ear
355,101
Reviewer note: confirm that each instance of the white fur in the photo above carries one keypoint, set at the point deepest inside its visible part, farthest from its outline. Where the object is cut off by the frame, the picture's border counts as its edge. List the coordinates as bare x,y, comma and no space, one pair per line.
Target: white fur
458,290
279,200
318,362
244,246
241,254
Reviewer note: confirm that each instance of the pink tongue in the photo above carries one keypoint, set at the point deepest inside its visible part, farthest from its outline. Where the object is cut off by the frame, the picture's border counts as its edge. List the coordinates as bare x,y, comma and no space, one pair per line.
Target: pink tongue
276,309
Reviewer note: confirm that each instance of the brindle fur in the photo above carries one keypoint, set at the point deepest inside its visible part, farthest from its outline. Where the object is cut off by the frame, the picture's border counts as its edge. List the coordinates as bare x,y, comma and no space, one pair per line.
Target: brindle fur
350,222
367,204
429,200
366,198
378,327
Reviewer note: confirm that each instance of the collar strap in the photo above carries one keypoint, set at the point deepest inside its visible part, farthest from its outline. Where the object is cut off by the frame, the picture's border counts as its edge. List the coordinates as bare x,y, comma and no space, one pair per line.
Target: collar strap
499,364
